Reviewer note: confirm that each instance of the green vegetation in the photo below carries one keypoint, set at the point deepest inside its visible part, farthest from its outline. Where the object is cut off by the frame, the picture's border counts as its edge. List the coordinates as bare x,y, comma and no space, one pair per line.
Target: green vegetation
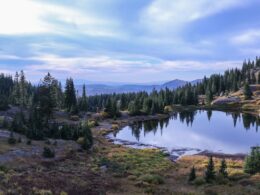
252,162
223,169
247,91
210,172
48,153
192,175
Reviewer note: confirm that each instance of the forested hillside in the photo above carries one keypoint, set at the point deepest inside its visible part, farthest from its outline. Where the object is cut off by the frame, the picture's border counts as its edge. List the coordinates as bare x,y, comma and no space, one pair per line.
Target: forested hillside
49,95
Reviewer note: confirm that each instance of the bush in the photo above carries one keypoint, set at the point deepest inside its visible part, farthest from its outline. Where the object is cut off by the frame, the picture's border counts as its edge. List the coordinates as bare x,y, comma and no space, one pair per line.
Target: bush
48,153
11,139
92,123
252,164
238,176
168,109
19,140
199,181
29,142
115,127
152,179
80,141
74,118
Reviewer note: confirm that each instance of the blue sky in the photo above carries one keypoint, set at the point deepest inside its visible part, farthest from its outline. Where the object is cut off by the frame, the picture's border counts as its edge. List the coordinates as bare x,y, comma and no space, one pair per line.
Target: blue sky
134,41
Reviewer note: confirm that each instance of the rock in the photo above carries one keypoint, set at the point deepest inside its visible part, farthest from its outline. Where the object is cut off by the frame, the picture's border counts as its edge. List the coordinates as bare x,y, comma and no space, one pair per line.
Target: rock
225,100
103,168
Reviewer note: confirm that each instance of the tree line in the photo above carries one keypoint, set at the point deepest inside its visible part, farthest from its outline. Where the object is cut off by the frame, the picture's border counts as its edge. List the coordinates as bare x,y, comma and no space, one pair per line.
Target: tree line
42,100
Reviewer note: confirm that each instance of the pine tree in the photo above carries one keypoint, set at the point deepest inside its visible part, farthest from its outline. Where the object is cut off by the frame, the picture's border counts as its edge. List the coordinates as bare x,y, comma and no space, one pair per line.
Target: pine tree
83,104
223,168
16,90
247,91
70,95
192,175
210,172
23,86
46,97
88,138
209,96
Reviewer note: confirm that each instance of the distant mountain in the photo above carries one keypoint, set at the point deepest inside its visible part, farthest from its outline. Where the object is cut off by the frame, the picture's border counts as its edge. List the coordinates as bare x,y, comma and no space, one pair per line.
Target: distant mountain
93,89
174,84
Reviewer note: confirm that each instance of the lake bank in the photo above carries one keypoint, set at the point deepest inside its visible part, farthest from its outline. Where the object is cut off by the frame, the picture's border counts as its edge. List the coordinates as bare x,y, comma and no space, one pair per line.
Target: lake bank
112,128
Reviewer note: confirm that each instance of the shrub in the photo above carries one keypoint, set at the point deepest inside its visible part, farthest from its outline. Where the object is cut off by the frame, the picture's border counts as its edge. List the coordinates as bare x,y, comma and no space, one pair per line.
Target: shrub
104,115
199,181
238,176
168,109
115,127
48,153
92,123
152,179
19,140
80,140
252,163
74,118
29,142
221,179
11,139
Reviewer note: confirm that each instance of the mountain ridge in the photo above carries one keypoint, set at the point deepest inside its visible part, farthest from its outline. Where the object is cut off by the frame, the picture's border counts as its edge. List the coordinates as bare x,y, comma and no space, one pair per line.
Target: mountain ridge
96,89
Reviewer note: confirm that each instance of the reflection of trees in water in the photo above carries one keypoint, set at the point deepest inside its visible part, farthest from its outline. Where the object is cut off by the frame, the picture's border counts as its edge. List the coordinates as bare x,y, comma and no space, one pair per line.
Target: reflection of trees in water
188,117
249,120
209,114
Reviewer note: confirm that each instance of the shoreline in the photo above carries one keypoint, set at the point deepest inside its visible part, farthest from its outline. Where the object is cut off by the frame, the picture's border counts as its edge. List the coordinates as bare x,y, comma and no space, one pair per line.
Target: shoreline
129,120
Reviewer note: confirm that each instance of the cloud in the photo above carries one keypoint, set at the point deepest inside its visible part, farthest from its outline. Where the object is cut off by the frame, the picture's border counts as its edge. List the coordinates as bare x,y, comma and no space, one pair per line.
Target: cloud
247,37
174,14
186,65
107,66
32,17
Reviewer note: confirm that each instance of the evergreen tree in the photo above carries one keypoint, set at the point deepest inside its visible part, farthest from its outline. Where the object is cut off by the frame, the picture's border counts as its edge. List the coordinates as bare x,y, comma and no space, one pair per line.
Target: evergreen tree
70,95
23,86
83,103
247,91
46,97
209,96
210,172
16,90
88,138
252,164
223,168
192,175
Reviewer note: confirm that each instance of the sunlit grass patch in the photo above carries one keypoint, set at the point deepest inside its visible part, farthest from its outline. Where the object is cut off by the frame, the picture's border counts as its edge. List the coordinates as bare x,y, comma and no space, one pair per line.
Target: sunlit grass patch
136,162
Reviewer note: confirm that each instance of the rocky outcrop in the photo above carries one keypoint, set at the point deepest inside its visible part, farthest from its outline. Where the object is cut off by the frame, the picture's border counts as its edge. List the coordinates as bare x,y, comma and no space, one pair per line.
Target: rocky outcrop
225,100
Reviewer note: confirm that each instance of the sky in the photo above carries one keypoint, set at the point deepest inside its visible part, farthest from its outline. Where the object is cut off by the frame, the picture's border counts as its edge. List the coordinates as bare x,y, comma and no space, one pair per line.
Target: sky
135,41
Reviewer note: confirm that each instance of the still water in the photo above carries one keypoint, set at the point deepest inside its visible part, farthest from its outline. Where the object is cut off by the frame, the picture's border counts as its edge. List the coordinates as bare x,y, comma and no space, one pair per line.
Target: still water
192,132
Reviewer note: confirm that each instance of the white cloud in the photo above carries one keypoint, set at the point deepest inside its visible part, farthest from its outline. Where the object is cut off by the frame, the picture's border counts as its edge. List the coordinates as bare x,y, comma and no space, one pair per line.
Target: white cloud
176,13
247,37
82,67
186,65
30,17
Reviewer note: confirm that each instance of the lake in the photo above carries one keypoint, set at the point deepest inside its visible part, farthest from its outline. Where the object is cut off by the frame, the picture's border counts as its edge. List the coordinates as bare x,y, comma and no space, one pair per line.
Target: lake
191,132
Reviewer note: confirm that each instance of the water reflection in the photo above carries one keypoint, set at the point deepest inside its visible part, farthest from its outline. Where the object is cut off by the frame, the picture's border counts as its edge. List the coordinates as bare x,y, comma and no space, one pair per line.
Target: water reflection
205,130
